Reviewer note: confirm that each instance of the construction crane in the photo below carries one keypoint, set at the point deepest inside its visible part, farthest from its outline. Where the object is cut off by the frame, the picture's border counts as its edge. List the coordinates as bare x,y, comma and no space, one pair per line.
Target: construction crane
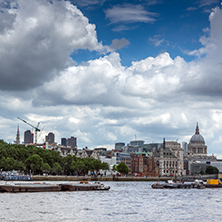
35,127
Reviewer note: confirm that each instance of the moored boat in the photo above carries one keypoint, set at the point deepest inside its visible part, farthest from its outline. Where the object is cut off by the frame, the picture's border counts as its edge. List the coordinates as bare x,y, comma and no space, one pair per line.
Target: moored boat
29,187
214,183
83,186
198,184
14,176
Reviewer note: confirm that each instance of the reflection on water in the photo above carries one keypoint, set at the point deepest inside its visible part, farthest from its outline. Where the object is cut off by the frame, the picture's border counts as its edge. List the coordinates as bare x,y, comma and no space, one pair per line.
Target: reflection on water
125,201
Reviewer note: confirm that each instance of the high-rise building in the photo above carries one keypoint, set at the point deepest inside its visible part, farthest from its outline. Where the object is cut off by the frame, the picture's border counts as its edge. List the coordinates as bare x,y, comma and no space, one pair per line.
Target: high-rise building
17,136
72,141
50,138
28,137
64,142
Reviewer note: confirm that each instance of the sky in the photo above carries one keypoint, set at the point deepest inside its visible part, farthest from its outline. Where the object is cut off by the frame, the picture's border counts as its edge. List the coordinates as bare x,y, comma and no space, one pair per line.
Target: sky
108,71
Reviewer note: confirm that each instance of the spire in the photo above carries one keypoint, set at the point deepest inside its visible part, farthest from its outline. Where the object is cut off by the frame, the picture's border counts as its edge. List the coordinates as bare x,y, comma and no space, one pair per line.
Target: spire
197,129
164,143
17,136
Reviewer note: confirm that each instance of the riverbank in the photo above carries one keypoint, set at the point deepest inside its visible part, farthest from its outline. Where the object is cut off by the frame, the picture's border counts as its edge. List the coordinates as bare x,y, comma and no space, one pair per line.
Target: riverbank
127,178
89,178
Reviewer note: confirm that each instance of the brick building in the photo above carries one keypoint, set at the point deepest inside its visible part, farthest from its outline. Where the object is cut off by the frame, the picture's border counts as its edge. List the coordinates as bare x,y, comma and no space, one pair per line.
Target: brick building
144,165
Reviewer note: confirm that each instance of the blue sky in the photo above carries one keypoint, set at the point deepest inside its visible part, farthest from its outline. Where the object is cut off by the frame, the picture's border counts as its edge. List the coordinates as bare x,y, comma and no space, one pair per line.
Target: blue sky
150,27
105,71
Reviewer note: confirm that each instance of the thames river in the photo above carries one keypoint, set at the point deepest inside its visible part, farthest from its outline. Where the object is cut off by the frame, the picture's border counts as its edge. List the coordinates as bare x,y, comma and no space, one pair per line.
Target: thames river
125,201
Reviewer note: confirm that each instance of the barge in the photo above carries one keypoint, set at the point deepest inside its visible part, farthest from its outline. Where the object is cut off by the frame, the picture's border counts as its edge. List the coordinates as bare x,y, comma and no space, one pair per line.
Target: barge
198,184
83,186
29,187
48,187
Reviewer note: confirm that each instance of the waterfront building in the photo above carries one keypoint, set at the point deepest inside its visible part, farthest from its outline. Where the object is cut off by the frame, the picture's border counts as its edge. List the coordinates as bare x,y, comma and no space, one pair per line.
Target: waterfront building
111,160
195,164
169,159
143,165
28,137
125,158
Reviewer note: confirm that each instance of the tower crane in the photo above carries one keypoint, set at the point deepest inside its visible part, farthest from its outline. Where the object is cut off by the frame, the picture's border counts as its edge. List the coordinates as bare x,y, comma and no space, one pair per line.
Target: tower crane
35,127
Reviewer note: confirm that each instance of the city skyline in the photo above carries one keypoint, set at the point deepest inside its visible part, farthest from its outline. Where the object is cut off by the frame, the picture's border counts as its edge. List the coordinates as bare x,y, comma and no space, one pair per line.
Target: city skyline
105,71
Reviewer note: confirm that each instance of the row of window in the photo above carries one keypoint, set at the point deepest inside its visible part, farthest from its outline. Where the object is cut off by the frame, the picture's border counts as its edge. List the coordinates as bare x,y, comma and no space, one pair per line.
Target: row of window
169,163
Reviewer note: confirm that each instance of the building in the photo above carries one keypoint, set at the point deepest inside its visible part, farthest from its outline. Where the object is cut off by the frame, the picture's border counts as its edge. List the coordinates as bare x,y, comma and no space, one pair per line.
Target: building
197,164
72,142
64,142
184,147
50,138
197,146
143,165
28,137
119,146
125,158
170,159
196,159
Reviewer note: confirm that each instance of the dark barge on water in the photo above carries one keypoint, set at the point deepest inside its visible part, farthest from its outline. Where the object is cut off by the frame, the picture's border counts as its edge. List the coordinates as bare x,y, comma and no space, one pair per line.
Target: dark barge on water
198,184
49,187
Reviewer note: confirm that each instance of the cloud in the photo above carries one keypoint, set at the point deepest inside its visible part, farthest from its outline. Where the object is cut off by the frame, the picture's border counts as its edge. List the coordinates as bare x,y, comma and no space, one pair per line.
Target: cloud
37,39
119,43
157,40
204,3
153,98
128,13
87,3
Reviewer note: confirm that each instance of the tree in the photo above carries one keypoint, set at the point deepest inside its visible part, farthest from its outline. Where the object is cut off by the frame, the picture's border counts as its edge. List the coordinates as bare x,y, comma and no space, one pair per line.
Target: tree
104,166
212,170
34,163
46,168
97,164
57,169
122,168
114,168
78,166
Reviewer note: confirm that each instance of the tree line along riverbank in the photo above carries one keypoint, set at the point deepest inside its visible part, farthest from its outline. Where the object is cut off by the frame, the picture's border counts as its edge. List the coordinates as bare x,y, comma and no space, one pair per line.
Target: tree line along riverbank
98,178
119,178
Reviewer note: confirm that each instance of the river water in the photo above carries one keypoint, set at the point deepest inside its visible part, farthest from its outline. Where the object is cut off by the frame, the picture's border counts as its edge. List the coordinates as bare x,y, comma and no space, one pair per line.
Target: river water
125,201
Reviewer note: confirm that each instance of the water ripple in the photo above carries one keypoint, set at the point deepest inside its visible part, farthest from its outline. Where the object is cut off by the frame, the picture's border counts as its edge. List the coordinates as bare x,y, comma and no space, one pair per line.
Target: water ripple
125,201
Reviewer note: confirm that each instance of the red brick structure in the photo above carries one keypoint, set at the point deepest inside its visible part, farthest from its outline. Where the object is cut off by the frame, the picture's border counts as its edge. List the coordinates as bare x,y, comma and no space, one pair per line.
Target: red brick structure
144,165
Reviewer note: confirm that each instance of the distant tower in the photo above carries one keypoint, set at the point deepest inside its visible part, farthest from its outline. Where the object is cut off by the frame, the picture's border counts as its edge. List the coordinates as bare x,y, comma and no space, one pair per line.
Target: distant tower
50,138
72,141
64,142
17,136
28,137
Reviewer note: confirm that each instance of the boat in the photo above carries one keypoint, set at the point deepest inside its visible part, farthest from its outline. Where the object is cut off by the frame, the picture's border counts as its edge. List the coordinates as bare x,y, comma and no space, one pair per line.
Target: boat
83,186
14,176
198,184
29,187
214,183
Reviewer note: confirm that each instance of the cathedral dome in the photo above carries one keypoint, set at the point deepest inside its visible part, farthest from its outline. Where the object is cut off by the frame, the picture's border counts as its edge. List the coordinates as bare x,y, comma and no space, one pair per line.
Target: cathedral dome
197,138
